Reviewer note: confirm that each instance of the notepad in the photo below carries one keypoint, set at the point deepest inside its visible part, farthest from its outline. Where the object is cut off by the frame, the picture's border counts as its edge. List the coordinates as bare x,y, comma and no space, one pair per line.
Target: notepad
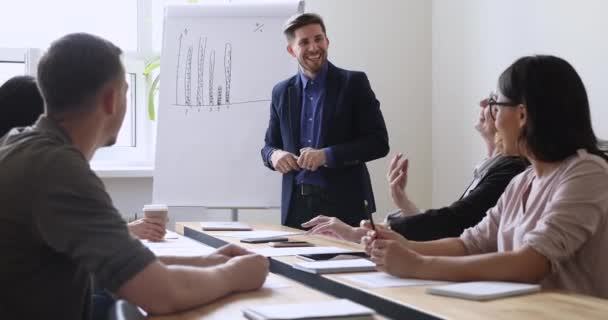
324,310
224,226
279,252
257,234
336,266
382,280
484,290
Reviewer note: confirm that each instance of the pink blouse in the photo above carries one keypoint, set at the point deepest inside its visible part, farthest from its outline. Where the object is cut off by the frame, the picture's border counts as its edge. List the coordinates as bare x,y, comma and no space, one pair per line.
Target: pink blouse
565,220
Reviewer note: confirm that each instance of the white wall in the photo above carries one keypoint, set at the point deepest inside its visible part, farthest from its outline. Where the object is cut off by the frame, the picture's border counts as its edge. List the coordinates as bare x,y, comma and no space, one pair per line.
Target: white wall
475,40
429,64
391,41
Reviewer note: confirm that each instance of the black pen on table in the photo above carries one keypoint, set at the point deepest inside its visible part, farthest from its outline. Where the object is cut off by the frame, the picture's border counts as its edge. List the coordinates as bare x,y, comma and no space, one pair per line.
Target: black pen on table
369,214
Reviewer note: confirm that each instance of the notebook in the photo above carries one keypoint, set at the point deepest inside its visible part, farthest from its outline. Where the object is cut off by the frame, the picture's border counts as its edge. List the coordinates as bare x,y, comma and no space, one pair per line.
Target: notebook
384,280
484,290
336,266
224,226
324,310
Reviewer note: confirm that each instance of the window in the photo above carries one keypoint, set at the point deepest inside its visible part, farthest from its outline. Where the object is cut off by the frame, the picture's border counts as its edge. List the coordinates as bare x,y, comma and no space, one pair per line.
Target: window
12,63
135,26
134,145
126,136
34,24
122,22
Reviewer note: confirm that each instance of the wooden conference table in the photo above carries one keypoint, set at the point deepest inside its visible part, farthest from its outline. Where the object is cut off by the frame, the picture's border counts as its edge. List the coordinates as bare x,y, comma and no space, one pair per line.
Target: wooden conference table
391,302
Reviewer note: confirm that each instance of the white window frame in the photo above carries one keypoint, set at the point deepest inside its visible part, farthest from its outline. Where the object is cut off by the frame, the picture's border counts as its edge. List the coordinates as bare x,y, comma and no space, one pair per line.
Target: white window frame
137,161
118,158
29,57
118,161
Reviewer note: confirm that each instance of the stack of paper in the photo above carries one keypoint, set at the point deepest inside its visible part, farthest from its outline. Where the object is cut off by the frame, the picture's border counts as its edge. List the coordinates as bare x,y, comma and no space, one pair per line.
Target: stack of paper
224,226
484,290
336,266
326,310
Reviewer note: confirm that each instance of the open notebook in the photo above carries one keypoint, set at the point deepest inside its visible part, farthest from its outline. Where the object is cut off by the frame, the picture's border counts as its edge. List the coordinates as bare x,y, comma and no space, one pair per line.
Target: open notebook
484,290
341,309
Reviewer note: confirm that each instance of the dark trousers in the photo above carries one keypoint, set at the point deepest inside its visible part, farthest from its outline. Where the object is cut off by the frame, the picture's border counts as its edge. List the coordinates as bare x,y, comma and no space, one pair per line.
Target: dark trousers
308,202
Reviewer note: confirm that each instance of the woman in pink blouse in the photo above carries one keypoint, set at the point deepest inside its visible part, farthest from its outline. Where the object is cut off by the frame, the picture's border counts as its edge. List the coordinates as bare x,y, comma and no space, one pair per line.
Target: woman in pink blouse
550,226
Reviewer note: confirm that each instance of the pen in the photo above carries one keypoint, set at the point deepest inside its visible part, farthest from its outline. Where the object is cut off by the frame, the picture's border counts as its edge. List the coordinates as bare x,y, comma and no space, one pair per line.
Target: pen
371,219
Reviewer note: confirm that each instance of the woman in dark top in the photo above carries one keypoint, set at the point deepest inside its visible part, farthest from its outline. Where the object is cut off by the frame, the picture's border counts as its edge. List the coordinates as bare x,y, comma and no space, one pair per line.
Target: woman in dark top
490,178
20,103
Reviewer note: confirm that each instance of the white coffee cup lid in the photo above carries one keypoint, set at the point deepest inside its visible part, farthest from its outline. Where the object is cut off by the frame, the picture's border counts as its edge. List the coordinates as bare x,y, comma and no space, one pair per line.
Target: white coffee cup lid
156,207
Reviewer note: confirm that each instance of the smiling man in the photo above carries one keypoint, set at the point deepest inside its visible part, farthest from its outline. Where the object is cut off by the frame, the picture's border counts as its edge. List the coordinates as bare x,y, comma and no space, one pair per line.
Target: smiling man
325,124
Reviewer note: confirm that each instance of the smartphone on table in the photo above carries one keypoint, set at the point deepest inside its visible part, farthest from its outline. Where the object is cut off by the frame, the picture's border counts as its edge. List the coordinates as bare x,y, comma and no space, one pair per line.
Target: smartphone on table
332,256
291,243
264,240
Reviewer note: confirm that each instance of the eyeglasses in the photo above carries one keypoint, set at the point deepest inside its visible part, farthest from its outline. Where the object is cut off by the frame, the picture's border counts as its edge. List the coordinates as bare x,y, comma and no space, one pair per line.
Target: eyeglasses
494,105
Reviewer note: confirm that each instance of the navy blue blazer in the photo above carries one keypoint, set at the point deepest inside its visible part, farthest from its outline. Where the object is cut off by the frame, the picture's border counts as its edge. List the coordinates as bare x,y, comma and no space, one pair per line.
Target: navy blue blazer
352,125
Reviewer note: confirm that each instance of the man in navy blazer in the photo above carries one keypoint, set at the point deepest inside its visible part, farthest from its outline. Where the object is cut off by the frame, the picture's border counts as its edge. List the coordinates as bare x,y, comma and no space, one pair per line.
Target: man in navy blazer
325,123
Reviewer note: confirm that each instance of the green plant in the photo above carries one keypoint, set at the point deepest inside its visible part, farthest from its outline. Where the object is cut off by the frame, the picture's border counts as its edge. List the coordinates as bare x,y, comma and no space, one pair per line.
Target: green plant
148,71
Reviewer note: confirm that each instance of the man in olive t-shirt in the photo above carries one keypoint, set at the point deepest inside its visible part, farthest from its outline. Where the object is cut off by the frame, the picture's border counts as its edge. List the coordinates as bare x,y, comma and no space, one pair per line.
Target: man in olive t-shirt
58,227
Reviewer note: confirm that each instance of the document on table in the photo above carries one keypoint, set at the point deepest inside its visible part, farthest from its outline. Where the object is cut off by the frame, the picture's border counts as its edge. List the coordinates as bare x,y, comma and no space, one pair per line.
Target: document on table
274,282
277,252
333,309
336,266
177,245
381,279
256,234
225,226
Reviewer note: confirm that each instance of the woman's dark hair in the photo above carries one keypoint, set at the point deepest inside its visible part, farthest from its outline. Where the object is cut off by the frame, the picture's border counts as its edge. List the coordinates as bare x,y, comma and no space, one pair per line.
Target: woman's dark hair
558,116
20,103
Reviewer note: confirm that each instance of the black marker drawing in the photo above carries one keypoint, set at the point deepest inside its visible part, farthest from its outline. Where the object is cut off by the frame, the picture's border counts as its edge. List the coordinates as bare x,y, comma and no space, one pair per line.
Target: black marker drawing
179,52
228,69
211,75
218,96
188,77
202,48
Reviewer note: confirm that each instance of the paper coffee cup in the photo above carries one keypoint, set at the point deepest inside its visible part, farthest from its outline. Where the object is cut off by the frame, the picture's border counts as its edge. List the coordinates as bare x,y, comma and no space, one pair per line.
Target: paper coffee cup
156,210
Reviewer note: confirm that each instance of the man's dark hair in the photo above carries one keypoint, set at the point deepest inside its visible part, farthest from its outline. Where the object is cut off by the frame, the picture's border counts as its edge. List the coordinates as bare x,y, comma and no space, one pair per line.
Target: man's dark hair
559,120
73,70
299,21
20,103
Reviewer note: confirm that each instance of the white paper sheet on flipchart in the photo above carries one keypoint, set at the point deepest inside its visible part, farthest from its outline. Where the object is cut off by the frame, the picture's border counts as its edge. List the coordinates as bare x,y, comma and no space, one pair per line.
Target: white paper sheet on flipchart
381,280
256,234
312,310
220,62
278,252
177,245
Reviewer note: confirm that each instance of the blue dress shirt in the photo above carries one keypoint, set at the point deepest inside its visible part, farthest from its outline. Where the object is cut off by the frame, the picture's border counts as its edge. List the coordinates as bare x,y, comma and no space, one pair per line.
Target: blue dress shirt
313,96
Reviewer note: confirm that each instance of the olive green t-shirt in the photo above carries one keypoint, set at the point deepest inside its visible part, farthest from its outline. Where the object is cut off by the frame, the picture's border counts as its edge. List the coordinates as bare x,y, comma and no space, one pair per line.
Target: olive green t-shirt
58,228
